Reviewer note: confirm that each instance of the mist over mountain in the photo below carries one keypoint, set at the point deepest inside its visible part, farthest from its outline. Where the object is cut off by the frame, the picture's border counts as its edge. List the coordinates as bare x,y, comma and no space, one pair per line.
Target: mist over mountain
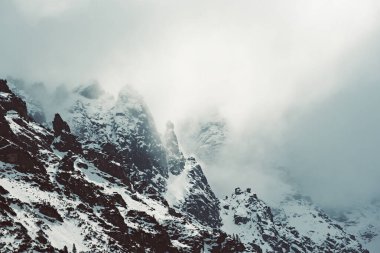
104,181
278,97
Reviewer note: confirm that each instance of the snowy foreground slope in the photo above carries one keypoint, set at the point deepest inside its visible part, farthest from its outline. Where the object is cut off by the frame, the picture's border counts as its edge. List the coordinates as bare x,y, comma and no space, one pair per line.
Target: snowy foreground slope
105,181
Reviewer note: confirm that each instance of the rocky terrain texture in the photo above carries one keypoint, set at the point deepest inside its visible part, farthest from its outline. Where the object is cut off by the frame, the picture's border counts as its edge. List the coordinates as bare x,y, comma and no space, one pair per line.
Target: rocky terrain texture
290,229
55,193
99,178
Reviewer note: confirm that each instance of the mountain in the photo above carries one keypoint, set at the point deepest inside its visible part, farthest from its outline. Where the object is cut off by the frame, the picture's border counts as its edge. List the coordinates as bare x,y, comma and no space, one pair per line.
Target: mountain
362,221
123,127
54,195
313,224
296,227
100,177
29,95
317,227
187,187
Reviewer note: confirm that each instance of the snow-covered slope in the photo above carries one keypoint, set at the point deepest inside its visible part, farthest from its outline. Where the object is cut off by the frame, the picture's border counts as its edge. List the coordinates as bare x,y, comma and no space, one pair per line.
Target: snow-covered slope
127,128
291,229
364,222
244,215
122,126
297,211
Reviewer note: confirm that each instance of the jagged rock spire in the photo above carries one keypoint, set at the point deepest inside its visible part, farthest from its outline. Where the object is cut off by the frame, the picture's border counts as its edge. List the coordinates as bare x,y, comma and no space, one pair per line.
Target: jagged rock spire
64,140
10,101
4,87
59,125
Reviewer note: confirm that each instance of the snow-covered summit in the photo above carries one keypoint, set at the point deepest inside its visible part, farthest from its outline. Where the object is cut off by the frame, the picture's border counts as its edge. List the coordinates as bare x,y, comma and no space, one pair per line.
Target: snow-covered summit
297,227
126,124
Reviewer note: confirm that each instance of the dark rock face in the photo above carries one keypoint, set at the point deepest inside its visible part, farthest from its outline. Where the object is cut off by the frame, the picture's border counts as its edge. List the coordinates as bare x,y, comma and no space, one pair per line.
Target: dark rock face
230,245
46,209
18,145
202,202
60,126
4,127
4,87
198,199
88,193
9,101
3,191
64,141
108,162
240,220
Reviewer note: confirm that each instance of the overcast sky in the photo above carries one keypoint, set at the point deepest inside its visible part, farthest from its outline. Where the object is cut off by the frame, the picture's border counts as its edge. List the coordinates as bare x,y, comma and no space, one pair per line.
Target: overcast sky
296,80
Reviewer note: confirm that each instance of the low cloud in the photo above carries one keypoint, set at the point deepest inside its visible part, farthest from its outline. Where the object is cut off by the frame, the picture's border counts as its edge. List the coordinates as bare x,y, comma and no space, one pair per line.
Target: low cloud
331,149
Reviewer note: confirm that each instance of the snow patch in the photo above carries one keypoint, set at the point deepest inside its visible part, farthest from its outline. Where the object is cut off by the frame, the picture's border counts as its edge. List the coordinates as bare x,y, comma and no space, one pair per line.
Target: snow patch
67,234
178,186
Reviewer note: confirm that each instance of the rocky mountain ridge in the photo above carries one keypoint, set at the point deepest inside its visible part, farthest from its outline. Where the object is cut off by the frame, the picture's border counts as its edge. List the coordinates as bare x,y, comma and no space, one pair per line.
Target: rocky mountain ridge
361,221
54,196
104,180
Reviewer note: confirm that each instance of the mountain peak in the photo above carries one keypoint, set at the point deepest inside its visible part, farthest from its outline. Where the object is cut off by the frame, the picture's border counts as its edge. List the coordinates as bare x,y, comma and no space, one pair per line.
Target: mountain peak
11,102
59,125
4,87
